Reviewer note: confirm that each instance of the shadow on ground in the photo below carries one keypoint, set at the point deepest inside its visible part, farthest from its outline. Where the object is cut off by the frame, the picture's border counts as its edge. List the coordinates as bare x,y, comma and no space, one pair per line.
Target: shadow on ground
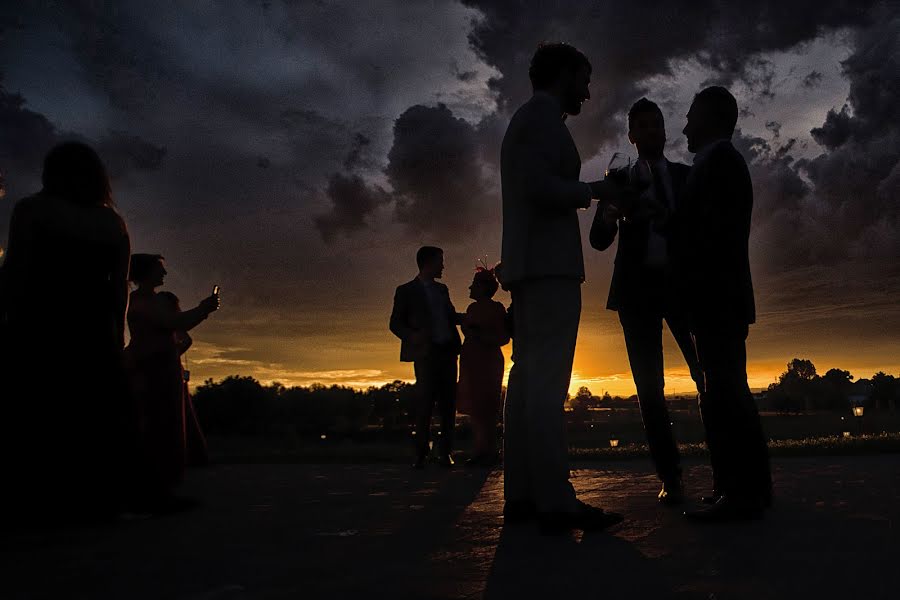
385,531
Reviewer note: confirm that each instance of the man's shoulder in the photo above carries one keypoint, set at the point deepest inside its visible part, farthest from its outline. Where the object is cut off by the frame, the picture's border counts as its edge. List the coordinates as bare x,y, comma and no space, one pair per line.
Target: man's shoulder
725,154
538,108
408,286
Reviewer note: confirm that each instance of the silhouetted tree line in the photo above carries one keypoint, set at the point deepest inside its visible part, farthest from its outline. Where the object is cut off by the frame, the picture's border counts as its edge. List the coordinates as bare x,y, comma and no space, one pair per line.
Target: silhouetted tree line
242,405
801,388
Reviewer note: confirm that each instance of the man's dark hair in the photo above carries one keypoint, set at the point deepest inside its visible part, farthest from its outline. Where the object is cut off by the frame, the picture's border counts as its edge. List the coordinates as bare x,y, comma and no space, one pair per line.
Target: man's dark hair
721,106
640,107
551,60
426,254
141,265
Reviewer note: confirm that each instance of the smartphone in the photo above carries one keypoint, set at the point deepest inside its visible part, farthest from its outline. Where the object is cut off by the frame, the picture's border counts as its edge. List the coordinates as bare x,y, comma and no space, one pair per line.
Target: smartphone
215,290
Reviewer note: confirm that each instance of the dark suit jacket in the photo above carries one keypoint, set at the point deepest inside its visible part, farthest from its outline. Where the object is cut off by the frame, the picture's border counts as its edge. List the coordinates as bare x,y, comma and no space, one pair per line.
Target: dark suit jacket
628,286
412,313
710,236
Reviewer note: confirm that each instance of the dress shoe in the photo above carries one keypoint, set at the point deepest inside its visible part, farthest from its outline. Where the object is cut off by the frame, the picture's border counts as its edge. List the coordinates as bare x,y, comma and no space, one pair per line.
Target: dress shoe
711,499
728,509
519,511
672,493
446,461
585,518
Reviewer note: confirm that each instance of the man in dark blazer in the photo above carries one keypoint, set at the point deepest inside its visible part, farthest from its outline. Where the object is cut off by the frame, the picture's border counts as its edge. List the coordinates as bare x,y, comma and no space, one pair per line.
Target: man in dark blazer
710,247
642,289
425,320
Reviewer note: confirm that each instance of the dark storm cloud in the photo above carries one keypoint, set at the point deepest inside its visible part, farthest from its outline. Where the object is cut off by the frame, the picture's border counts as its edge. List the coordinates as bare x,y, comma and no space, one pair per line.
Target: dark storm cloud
827,229
627,42
124,152
352,201
812,79
438,185
435,170
28,135
356,157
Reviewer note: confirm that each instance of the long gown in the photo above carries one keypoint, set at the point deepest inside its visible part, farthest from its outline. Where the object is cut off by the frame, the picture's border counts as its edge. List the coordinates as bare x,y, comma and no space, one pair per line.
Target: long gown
157,380
67,421
479,392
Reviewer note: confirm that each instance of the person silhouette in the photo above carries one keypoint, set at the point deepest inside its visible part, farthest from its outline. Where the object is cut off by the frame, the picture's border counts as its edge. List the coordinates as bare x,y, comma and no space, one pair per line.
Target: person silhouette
642,288
66,432
154,358
197,450
479,392
424,319
710,236
543,268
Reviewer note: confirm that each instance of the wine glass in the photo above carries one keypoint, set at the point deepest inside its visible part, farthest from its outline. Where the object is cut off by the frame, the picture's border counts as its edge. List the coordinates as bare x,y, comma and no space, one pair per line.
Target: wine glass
619,168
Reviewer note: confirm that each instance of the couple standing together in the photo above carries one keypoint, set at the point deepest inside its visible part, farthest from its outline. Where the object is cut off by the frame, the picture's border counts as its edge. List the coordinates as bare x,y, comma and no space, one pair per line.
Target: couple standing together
682,256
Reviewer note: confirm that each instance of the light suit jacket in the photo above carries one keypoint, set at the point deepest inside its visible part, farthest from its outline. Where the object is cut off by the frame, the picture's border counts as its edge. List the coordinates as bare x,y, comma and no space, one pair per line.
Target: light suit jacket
539,170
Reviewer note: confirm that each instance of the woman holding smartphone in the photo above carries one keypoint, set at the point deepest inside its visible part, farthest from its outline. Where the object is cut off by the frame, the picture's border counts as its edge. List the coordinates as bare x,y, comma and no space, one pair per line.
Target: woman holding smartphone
156,325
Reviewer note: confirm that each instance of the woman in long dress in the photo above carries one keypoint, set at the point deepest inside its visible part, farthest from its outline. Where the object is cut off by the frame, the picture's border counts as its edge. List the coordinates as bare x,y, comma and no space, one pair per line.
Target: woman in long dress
195,441
157,376
479,392
67,436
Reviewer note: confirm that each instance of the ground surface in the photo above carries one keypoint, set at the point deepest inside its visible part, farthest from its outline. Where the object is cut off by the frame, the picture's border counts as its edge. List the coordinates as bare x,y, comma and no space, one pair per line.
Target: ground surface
385,531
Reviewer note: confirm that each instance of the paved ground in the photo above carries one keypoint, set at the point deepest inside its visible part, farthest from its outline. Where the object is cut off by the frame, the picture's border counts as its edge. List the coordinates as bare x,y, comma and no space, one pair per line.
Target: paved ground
385,531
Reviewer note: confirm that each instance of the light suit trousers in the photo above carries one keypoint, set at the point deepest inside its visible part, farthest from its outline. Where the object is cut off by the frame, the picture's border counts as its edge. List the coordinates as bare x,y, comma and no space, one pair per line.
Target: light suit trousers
546,313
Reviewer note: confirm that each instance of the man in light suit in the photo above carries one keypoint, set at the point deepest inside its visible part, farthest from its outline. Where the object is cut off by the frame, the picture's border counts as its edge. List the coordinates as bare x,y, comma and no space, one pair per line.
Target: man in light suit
425,320
543,268
710,247
642,289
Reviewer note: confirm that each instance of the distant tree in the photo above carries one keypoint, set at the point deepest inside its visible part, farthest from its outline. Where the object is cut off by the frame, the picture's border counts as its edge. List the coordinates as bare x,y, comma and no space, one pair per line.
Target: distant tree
838,377
885,390
794,390
832,390
799,369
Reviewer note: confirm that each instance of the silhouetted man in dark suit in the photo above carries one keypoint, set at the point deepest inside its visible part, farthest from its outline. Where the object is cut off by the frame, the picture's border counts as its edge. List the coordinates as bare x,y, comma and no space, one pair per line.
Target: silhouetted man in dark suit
711,232
425,321
642,289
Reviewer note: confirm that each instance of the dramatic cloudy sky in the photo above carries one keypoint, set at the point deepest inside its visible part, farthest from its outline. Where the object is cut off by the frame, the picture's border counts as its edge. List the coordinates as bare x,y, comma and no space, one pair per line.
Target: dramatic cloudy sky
297,154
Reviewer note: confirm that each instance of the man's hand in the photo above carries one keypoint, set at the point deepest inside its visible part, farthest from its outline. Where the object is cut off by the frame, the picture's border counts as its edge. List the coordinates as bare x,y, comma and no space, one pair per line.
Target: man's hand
622,197
610,214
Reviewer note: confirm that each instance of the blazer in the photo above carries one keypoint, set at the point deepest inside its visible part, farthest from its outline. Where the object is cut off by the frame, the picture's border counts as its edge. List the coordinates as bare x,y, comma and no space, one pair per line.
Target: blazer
412,313
710,239
629,285
539,171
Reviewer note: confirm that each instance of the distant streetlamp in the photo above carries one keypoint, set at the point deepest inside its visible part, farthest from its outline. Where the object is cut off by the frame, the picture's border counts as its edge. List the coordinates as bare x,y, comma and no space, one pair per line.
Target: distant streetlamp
846,434
613,442
858,410
323,436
